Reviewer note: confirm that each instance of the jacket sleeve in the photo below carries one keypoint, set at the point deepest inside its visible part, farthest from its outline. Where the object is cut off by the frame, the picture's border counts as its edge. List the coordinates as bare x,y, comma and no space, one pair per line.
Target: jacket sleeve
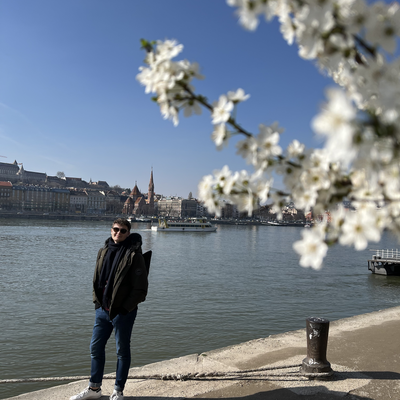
99,263
138,282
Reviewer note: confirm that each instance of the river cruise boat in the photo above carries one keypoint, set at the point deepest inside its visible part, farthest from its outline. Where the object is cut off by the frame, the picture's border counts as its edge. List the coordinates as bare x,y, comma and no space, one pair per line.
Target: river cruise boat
190,225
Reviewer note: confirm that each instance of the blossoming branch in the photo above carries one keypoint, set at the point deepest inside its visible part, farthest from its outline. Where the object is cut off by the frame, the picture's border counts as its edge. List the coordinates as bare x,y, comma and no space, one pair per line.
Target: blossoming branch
360,160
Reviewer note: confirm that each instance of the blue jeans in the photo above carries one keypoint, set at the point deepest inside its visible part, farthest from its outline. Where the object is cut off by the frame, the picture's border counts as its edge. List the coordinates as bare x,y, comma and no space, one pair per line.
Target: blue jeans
103,327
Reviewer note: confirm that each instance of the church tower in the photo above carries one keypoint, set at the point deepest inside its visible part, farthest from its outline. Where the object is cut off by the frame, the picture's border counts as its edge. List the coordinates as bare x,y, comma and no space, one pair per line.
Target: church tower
150,194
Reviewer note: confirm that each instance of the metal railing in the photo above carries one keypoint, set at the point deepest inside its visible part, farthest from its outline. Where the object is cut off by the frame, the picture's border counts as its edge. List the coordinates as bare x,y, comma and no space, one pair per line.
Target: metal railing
391,254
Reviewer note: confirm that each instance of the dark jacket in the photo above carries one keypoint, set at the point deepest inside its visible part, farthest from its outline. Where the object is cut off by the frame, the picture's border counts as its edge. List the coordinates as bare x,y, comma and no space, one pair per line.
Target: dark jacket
130,283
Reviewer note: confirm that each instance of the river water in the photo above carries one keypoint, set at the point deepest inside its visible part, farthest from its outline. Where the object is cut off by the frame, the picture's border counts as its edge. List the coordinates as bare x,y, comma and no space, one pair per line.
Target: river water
206,291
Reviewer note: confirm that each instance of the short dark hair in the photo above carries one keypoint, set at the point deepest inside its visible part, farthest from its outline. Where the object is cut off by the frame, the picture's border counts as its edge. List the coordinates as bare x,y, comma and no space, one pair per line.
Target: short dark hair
124,222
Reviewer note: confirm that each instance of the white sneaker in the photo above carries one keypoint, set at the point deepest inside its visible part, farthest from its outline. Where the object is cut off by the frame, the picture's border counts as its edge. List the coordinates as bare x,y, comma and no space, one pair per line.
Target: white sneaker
116,395
87,394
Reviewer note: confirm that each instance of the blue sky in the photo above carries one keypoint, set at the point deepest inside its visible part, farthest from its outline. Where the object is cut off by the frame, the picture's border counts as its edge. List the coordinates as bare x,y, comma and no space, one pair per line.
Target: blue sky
69,99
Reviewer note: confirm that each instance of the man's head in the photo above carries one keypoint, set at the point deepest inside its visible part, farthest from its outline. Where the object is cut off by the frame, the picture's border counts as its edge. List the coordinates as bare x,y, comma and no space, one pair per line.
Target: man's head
121,228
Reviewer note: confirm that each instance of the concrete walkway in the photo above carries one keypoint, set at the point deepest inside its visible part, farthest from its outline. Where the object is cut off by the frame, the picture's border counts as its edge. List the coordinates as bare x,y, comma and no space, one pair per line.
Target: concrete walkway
364,352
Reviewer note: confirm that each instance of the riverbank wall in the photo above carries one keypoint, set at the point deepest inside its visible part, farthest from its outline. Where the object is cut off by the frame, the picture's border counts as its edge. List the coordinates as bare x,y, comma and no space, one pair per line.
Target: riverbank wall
102,217
363,351
61,217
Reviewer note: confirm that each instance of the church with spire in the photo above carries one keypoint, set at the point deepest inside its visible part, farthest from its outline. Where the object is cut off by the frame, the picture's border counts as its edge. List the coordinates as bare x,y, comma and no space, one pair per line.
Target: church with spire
137,203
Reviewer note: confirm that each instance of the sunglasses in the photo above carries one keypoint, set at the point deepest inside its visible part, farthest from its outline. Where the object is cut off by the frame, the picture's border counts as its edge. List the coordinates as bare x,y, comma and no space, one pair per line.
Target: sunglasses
123,230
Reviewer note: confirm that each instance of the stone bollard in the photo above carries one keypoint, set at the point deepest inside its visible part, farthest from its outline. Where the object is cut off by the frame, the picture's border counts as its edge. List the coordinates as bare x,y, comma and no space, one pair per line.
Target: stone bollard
315,365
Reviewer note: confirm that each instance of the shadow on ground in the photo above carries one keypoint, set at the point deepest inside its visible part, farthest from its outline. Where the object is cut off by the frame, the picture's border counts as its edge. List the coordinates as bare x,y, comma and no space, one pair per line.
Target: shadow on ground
278,394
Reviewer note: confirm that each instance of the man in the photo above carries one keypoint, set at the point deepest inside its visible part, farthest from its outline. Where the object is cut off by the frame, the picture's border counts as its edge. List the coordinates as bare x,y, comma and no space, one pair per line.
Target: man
119,285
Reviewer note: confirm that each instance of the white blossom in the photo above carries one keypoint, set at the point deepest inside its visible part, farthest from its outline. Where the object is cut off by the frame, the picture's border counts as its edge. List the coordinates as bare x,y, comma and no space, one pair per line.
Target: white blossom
291,178
354,14
267,141
169,112
246,202
238,96
383,26
247,18
389,179
314,20
279,200
220,136
317,158
287,27
305,199
206,193
247,148
359,227
335,122
261,187
190,108
224,180
337,218
311,248
315,179
168,49
295,148
222,110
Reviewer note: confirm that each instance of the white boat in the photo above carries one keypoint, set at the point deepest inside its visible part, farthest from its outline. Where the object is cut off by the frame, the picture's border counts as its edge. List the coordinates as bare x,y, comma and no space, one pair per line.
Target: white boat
143,219
286,223
190,225
138,219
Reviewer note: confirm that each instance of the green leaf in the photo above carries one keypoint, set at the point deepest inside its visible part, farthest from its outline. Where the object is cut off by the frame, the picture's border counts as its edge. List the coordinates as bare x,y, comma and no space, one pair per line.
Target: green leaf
146,45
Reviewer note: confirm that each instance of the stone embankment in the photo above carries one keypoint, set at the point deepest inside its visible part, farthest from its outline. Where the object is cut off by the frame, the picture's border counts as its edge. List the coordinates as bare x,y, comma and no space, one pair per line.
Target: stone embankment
363,352
55,216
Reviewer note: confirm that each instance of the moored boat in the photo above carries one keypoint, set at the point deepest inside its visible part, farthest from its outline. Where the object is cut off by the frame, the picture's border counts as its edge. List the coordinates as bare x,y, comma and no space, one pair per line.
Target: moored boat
286,223
143,219
385,262
189,225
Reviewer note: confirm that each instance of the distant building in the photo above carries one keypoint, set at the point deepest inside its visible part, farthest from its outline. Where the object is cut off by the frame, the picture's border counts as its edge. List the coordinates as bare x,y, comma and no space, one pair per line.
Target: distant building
75,182
55,181
24,190
31,177
229,211
40,199
15,173
150,196
60,200
78,201
5,195
113,201
8,172
96,202
177,207
99,184
138,204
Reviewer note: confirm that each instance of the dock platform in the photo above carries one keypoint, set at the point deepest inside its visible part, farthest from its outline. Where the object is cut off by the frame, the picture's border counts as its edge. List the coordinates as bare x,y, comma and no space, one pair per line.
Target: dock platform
385,262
